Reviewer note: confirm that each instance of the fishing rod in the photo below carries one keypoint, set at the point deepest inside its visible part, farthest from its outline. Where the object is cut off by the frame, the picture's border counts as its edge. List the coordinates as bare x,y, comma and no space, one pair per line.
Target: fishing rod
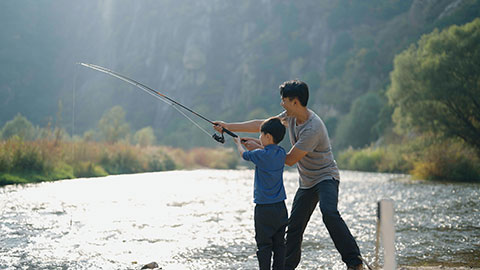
164,98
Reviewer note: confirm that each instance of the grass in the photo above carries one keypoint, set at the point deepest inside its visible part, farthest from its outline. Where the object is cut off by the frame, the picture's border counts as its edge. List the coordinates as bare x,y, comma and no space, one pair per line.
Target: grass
48,160
423,158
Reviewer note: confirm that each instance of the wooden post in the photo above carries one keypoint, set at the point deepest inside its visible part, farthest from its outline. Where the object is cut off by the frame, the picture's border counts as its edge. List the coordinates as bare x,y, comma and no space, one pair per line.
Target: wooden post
387,232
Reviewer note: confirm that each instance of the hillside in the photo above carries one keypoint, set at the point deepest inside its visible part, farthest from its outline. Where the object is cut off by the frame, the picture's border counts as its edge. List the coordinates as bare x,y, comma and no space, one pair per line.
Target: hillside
223,59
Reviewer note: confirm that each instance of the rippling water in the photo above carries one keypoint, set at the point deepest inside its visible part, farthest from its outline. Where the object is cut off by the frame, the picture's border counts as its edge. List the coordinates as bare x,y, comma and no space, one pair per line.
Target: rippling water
203,219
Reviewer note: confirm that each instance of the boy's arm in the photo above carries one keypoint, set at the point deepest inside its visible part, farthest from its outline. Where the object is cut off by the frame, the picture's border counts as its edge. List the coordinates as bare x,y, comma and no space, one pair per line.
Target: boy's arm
251,126
240,148
255,140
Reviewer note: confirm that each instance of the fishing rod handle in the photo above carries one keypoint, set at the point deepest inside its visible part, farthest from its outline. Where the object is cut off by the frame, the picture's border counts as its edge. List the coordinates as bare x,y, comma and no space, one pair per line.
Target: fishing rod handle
229,132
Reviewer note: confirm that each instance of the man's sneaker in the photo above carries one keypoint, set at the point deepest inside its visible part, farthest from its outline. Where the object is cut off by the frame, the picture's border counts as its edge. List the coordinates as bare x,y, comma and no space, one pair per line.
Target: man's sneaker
357,267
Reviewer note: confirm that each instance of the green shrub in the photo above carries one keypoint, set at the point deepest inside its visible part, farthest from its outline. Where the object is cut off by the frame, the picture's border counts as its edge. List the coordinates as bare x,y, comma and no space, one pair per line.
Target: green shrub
121,160
5,157
60,171
356,128
448,161
425,157
8,179
145,137
155,164
367,159
88,169
394,159
168,163
27,158
160,161
18,126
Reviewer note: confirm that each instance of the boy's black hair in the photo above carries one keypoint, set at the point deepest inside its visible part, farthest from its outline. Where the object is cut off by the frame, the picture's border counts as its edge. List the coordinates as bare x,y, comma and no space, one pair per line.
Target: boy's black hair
274,127
295,89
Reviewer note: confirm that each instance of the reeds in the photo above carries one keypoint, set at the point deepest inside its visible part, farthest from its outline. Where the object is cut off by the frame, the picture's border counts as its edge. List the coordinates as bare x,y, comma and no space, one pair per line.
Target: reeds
46,160
423,158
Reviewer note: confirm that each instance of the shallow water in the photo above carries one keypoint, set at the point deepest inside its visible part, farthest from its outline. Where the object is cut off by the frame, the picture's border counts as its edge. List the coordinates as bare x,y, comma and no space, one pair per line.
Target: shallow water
203,219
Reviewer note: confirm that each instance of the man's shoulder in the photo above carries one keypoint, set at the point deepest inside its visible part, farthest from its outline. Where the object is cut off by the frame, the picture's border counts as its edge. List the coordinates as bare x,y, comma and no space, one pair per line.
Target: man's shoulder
316,123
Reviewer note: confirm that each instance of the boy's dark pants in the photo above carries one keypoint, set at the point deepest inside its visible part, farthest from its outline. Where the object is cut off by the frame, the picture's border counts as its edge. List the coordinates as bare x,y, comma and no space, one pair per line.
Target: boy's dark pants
326,194
270,223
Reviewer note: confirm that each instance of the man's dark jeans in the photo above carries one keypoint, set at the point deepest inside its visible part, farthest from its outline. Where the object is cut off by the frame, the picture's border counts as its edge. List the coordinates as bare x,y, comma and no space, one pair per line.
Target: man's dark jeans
326,194
270,223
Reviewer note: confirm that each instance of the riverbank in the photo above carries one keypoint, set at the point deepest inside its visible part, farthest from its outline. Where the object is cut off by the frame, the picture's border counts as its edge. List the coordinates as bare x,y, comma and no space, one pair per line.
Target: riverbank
49,160
422,157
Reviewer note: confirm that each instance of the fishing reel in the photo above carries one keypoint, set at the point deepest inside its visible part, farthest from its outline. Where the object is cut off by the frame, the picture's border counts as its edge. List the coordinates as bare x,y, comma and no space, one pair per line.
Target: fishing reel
220,139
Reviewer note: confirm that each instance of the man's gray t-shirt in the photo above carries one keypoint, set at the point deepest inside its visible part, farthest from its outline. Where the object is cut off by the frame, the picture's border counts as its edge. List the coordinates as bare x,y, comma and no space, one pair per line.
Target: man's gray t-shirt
312,136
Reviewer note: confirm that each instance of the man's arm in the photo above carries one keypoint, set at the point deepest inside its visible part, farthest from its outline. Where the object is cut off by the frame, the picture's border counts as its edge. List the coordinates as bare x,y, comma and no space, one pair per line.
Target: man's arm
251,126
294,155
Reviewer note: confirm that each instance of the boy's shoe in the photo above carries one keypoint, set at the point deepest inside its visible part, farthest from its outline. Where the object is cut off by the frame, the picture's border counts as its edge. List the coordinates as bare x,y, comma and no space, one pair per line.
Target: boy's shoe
357,267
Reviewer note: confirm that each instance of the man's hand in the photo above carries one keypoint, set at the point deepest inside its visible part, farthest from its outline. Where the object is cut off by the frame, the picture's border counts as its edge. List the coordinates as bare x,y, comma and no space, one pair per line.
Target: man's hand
252,126
294,156
219,126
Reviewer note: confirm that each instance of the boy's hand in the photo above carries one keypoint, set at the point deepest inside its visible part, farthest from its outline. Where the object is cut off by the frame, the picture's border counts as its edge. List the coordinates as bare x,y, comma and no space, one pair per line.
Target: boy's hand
251,144
237,140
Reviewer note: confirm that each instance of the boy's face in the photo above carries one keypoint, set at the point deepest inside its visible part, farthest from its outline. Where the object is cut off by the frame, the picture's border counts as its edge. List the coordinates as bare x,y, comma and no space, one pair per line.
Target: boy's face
265,139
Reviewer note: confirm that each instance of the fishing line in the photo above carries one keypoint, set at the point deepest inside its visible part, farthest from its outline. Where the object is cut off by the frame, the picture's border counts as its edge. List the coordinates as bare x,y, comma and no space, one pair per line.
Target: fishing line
75,72
191,120
163,98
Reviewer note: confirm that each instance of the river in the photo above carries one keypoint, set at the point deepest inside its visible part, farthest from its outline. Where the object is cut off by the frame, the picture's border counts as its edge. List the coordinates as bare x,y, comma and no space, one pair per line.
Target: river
203,219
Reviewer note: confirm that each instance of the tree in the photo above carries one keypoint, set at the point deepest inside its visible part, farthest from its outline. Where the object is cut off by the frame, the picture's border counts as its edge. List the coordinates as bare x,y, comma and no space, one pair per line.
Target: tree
356,128
112,125
19,126
145,137
436,85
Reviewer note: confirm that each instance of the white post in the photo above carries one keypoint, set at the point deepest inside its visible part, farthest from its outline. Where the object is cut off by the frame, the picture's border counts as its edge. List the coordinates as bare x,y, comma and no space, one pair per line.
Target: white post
387,232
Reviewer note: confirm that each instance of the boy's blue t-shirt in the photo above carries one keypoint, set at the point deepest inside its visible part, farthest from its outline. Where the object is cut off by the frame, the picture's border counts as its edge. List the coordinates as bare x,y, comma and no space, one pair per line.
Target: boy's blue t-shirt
269,163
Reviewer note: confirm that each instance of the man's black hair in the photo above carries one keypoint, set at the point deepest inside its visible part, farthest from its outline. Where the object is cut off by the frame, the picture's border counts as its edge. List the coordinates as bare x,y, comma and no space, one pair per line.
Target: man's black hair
295,89
274,127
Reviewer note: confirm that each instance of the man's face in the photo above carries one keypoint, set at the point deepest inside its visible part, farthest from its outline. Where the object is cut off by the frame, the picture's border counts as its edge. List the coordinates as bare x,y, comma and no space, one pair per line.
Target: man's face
287,104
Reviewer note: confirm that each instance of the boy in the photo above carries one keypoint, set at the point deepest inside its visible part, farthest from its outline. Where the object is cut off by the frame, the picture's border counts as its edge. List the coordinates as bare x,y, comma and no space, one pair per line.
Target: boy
270,214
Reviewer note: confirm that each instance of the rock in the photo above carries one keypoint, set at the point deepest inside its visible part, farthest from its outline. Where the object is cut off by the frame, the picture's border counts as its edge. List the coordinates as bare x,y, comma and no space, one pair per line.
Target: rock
151,265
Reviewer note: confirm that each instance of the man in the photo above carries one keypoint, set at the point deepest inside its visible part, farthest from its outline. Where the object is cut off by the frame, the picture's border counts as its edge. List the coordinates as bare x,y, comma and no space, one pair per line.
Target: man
318,171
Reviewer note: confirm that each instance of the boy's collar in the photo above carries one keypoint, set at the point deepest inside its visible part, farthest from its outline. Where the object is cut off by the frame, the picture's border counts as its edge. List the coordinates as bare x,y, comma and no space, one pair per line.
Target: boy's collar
270,145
